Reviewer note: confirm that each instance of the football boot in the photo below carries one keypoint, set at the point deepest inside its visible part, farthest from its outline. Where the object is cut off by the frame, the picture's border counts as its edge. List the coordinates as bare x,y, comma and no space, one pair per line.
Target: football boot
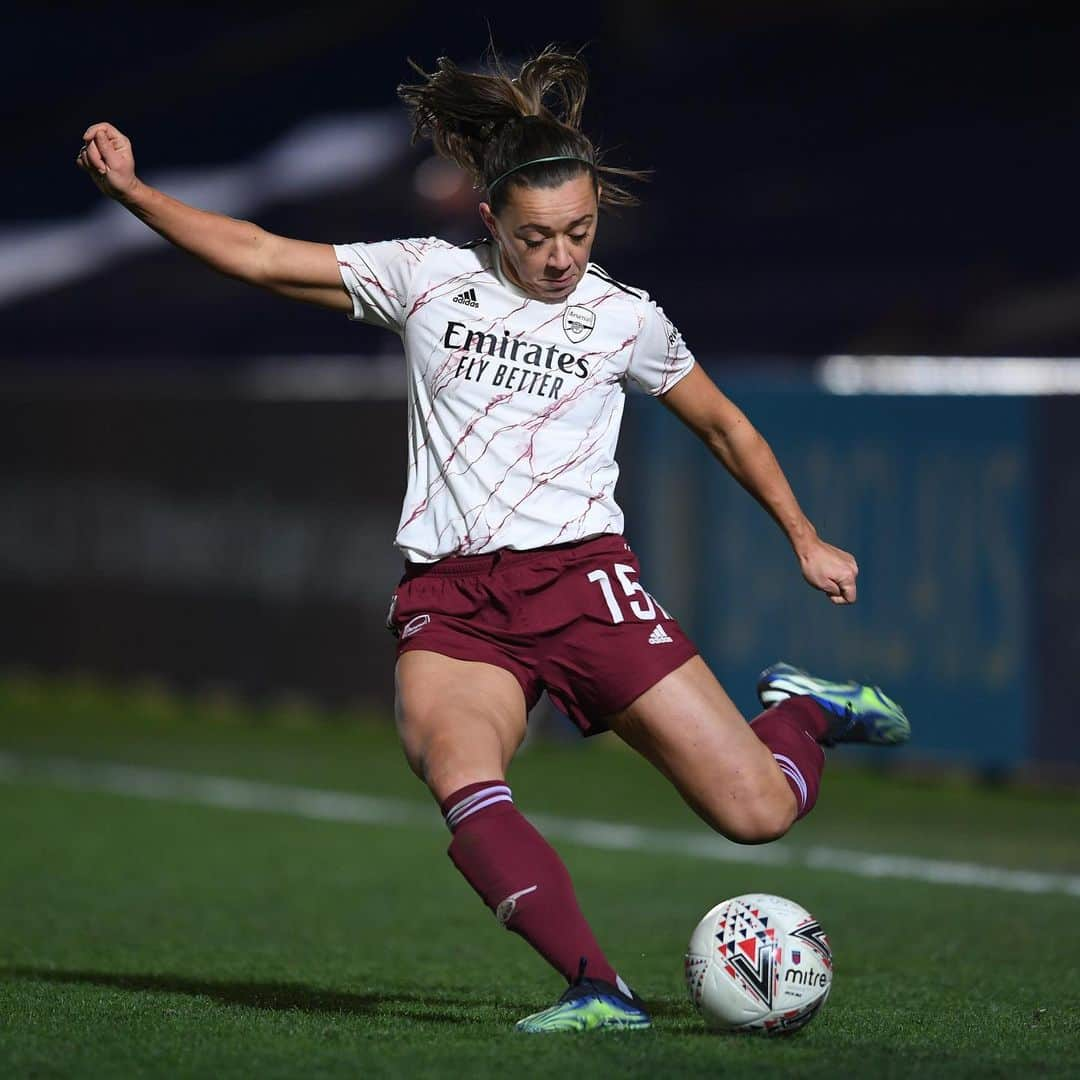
590,1005
857,713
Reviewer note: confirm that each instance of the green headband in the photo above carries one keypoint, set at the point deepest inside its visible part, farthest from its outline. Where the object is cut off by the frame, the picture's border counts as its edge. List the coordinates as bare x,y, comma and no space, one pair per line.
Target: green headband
538,161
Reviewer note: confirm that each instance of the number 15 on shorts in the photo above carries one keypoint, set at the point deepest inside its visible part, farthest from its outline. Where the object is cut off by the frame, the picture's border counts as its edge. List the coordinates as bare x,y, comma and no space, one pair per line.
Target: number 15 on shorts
644,608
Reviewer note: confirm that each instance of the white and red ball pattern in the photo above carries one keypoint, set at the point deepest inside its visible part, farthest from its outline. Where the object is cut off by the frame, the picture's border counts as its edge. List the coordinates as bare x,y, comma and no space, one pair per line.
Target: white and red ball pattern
758,963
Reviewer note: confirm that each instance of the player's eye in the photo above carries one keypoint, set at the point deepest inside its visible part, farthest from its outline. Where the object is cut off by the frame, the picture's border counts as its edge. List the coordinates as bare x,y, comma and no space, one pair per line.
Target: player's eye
533,243
580,239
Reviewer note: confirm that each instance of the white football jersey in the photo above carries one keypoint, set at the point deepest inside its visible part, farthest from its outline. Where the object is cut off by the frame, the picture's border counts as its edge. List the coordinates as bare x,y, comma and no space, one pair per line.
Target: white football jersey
514,404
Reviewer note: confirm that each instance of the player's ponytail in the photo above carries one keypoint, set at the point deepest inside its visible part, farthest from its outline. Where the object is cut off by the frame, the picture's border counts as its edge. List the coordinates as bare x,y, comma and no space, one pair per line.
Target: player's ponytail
506,130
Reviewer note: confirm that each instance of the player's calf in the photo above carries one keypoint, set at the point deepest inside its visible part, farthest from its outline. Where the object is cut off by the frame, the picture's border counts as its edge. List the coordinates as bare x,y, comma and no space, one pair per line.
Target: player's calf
790,730
521,878
804,713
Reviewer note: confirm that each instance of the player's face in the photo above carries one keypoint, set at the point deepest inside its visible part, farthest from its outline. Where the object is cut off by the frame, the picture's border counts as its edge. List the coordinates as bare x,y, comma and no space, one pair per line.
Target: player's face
545,236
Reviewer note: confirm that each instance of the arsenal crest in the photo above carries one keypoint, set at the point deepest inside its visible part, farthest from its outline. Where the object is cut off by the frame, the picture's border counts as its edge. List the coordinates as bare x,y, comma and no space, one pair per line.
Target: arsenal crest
578,322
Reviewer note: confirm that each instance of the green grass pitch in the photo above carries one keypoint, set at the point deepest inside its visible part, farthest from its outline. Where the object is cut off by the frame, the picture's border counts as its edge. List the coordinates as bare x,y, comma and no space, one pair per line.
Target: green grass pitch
152,937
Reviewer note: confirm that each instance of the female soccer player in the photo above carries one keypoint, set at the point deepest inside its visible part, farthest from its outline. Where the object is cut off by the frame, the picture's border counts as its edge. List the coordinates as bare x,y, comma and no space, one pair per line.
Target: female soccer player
517,578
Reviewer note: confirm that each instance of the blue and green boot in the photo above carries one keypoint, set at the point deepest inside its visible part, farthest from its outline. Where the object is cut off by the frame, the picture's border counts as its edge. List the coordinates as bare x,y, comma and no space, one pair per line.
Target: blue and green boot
590,1005
858,713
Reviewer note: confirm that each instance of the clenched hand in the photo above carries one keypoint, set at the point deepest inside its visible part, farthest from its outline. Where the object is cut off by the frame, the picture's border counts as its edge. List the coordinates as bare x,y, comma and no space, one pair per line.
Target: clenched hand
107,157
831,570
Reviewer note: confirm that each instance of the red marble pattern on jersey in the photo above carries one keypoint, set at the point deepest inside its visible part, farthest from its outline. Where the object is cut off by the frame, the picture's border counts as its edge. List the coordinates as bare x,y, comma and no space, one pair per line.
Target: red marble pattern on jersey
415,252
593,497
671,358
367,279
447,365
436,387
447,285
437,383
535,425
472,519
544,414
575,459
498,400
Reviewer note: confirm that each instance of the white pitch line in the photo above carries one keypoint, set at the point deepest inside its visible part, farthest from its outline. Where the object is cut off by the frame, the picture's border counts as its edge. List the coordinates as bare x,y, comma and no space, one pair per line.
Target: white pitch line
168,785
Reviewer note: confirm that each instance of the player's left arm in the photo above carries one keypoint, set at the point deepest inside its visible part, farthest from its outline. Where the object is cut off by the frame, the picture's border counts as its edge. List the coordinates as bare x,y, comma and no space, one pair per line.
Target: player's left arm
739,446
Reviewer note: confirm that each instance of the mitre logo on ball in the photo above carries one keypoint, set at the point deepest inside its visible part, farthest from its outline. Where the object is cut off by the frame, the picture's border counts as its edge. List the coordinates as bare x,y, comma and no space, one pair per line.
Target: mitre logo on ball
578,322
758,962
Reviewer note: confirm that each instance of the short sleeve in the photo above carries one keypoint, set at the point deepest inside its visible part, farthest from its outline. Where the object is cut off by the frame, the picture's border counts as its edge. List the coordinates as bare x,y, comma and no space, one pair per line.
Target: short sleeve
660,357
379,278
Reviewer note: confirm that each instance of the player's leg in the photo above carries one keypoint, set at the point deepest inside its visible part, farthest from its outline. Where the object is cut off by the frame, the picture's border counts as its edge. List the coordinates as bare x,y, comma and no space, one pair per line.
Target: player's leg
460,723
748,781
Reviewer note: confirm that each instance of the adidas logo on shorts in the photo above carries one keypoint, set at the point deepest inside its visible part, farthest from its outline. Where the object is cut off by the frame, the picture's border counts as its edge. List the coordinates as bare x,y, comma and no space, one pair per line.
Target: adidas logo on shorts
468,298
659,636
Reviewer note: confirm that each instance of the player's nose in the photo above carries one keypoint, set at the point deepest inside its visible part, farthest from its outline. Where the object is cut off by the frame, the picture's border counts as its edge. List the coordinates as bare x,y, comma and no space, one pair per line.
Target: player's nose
559,257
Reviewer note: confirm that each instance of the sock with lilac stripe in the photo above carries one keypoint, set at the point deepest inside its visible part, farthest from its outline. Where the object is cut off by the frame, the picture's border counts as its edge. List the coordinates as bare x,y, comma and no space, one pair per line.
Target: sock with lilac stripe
520,877
790,729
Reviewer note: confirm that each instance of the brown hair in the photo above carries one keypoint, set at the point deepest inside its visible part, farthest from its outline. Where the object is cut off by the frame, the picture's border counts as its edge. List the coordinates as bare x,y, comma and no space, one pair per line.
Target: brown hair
492,123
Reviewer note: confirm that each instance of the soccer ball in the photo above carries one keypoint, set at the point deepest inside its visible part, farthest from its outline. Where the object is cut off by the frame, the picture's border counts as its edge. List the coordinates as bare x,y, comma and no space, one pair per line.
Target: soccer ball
758,963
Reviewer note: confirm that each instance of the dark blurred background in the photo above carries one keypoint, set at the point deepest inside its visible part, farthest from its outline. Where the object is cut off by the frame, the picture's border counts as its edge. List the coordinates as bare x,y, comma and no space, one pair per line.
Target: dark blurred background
201,483
830,177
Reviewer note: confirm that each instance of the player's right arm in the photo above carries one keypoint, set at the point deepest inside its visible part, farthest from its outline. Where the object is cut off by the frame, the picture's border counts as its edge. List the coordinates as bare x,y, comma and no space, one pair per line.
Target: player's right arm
294,268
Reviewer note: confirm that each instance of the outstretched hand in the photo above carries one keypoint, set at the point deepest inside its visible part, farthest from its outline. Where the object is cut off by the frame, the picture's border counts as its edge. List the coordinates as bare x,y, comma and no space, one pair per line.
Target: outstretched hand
831,570
107,157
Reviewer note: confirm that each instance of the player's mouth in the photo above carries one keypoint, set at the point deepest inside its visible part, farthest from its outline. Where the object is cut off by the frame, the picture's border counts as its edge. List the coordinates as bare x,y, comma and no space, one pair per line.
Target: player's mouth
559,283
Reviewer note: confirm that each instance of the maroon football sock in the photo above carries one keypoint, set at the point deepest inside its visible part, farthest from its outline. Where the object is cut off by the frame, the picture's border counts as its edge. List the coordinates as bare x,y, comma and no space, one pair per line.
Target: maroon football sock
790,729
520,877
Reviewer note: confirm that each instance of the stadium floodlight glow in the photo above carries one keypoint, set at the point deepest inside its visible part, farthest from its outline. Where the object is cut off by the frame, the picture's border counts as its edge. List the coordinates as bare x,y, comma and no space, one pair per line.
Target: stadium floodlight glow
944,375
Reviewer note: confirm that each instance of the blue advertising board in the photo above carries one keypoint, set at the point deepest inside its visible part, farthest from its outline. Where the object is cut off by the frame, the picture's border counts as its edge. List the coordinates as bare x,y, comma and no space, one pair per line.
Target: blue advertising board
932,496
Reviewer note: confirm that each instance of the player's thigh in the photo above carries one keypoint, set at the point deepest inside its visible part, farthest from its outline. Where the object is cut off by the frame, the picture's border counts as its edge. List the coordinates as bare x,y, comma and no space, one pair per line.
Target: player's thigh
459,721
689,728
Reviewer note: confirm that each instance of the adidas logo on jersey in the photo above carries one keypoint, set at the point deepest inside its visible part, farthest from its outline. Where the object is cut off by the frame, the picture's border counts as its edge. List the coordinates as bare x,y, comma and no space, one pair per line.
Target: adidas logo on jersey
659,636
468,298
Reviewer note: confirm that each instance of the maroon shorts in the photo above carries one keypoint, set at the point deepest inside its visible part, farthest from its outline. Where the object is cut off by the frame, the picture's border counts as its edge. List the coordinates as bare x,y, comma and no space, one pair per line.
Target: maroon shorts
573,620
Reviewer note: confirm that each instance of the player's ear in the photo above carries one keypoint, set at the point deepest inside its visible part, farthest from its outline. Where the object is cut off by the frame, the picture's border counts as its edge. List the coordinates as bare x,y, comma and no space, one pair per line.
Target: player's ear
487,216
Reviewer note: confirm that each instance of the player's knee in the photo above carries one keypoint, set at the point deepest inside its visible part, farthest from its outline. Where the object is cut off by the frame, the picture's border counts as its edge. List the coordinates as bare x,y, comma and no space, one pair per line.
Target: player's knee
769,821
758,820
